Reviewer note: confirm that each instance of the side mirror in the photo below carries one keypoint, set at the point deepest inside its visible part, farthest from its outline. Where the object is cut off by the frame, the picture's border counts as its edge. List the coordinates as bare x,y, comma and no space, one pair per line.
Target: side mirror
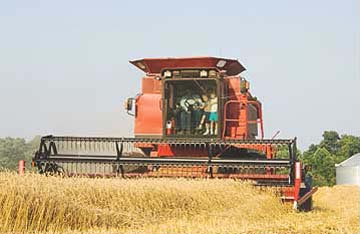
128,104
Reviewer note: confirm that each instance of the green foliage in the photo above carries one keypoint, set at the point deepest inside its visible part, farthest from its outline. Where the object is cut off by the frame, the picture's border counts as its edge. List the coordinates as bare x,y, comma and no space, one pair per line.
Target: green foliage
283,152
349,145
330,141
331,150
14,149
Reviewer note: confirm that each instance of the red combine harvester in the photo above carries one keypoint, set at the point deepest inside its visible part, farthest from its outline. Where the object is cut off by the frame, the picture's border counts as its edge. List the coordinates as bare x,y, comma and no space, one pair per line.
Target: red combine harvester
195,117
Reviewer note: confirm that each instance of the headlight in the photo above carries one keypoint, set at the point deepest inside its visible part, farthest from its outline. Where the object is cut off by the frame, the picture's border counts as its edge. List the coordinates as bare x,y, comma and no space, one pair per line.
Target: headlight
212,73
176,74
167,74
140,65
221,63
203,73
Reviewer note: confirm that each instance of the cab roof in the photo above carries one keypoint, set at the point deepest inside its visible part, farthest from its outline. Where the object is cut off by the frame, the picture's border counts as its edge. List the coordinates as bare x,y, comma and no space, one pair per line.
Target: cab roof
156,65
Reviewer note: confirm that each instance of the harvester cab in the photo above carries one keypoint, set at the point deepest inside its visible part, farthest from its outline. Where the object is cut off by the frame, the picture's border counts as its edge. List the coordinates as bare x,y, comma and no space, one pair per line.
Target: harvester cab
196,98
195,117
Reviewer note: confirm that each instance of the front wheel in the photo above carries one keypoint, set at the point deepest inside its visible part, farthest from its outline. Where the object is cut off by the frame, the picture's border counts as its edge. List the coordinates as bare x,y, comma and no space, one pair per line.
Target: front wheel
53,169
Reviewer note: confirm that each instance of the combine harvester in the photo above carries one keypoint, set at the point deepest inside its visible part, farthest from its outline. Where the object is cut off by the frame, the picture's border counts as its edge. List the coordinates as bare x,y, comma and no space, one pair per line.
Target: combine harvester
195,117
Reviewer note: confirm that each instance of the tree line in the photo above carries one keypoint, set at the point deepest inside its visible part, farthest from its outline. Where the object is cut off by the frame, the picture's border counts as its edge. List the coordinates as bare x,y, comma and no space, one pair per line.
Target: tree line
332,149
14,149
322,157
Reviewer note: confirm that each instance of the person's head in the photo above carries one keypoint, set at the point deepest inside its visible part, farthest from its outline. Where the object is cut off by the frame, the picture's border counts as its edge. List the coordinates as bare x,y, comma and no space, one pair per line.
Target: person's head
212,95
204,97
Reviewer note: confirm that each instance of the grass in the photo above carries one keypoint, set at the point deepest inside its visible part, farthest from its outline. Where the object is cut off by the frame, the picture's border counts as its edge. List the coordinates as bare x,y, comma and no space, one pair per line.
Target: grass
39,204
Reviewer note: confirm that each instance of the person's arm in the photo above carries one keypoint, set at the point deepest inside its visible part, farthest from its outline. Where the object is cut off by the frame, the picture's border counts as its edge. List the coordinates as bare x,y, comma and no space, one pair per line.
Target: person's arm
200,102
183,104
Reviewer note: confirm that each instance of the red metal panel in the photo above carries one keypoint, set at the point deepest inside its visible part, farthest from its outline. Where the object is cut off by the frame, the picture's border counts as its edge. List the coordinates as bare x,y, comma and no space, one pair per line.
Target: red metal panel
165,150
233,87
151,85
155,65
148,119
287,193
297,180
21,167
147,85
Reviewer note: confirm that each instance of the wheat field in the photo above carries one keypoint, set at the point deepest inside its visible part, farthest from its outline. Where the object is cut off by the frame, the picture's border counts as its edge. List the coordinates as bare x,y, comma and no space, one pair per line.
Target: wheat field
39,204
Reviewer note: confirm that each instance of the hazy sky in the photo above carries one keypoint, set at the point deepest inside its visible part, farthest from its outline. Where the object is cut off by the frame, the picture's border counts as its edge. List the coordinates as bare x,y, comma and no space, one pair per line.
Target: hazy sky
64,64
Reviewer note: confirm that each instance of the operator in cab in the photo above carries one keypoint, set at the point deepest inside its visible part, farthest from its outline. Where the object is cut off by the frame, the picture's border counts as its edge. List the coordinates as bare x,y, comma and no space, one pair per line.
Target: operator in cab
190,112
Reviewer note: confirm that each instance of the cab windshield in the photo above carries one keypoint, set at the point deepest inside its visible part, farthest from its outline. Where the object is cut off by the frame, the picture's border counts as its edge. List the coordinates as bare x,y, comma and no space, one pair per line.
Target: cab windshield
191,108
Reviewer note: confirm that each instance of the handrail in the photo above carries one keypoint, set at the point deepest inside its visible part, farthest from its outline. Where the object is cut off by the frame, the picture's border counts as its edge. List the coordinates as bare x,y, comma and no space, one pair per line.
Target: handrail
258,121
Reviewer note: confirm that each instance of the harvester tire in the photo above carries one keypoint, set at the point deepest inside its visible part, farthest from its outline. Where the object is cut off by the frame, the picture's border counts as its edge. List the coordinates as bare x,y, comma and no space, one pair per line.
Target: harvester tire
52,169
